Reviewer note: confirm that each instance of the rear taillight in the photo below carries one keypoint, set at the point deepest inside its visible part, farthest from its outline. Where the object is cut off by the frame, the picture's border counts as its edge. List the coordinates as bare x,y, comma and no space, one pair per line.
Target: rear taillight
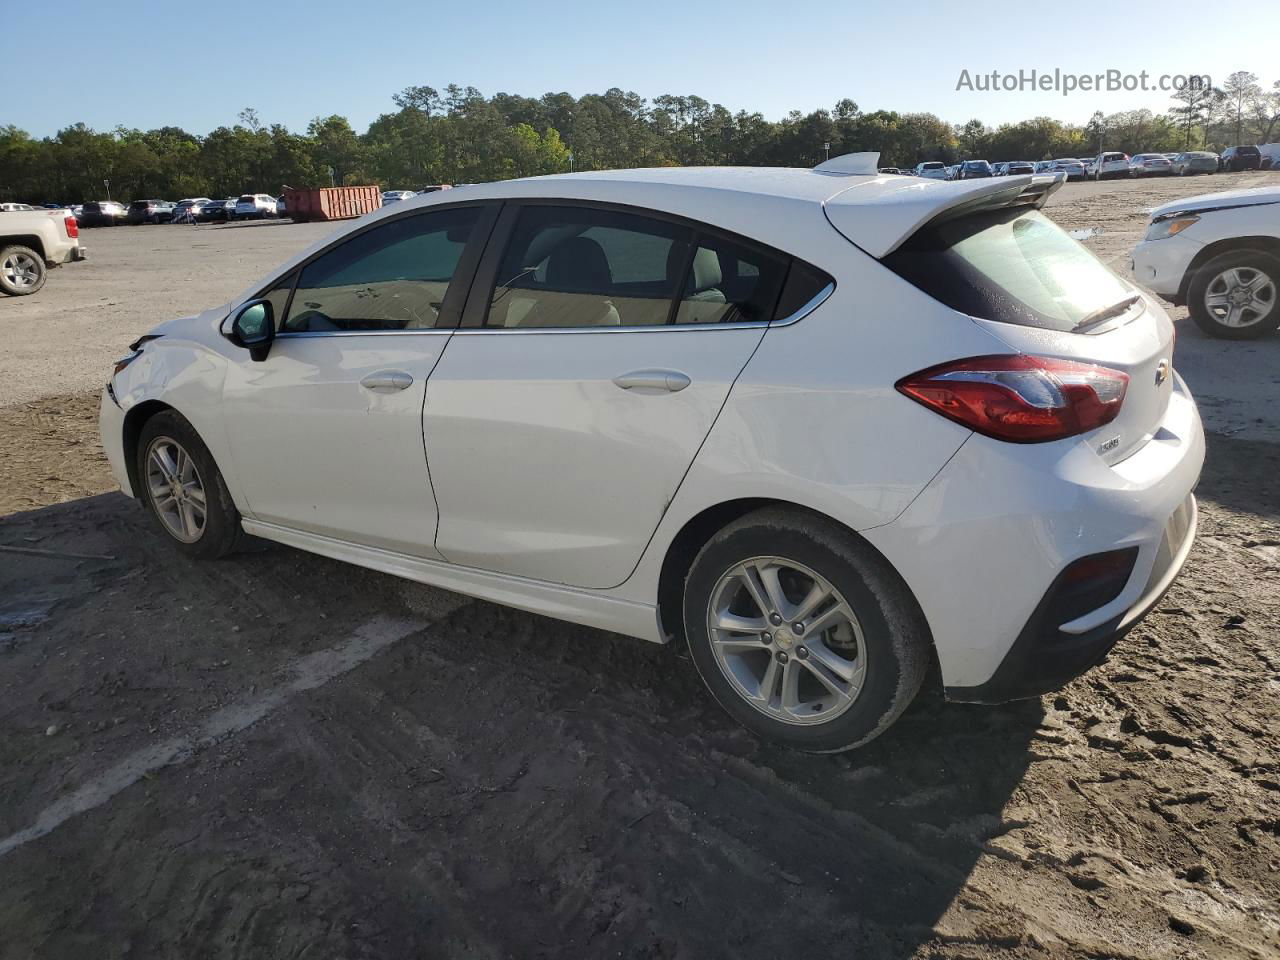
73,228
1019,398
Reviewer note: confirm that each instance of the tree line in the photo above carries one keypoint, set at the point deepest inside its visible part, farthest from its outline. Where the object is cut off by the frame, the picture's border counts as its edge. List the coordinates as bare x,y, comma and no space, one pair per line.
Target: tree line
458,135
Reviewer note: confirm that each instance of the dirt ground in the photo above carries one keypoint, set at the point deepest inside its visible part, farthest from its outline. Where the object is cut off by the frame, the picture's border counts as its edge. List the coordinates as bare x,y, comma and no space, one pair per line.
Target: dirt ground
278,755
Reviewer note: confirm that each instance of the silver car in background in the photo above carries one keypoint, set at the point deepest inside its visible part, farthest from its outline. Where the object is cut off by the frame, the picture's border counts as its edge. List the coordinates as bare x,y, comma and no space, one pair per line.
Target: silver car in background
1149,165
1074,169
1195,161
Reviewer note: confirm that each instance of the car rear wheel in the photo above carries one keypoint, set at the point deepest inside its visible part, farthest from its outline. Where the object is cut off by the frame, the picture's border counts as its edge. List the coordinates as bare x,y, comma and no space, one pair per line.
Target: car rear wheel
802,633
22,271
184,489
1236,296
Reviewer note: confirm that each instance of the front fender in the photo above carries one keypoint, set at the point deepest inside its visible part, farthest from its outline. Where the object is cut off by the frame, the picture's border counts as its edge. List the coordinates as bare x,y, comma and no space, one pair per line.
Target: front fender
183,368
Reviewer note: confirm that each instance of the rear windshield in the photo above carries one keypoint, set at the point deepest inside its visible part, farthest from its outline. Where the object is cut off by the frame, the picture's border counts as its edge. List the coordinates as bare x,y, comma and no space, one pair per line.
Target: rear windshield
930,166
248,198
1012,265
1250,151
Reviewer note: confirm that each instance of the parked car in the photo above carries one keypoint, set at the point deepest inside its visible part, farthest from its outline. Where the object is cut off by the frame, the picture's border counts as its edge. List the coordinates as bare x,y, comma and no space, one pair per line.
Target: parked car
1150,165
974,170
1219,254
435,187
217,211
977,442
150,211
1014,168
1074,169
1235,159
15,207
395,196
931,170
1106,166
31,243
102,213
186,211
282,209
255,206
1195,161
893,170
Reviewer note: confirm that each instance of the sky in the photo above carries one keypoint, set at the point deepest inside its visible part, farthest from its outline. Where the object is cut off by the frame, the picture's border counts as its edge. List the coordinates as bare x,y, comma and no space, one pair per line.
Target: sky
147,64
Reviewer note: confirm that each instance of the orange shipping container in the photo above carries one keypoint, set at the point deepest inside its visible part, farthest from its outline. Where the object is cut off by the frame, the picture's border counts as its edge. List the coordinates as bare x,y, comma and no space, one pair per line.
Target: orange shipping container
332,203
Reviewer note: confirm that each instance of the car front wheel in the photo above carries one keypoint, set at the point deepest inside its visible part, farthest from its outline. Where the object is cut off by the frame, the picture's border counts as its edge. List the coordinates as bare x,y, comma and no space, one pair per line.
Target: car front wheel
803,633
184,489
1236,296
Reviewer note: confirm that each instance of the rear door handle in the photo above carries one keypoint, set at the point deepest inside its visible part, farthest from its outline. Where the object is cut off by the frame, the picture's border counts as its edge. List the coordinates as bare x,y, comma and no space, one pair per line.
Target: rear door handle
670,381
387,381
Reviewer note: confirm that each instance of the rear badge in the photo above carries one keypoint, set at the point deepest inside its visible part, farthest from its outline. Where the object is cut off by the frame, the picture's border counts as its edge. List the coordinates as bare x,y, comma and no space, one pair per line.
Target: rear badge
1109,445
1162,372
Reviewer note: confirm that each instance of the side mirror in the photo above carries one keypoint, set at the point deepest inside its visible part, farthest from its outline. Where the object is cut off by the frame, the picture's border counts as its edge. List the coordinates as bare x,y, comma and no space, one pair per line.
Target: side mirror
254,327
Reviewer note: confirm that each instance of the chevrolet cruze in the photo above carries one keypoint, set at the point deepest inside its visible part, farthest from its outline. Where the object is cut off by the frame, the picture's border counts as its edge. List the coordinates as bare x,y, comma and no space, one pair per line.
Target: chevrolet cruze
829,428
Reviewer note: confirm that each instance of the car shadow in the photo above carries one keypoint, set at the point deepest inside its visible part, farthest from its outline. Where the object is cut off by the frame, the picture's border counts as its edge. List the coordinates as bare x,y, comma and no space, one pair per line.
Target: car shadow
585,781
1242,475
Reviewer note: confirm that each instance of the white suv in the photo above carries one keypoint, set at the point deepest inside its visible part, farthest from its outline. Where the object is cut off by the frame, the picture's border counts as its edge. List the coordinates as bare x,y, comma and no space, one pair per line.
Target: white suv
1219,254
931,170
255,206
1110,164
826,427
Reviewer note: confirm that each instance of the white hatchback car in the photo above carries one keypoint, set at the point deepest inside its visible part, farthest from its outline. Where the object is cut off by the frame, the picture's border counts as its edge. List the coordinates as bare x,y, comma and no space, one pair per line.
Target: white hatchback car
1218,253
827,427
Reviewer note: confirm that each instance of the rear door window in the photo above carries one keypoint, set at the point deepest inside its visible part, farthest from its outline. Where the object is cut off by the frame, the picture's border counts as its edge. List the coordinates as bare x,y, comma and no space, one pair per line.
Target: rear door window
1012,265
727,281
567,267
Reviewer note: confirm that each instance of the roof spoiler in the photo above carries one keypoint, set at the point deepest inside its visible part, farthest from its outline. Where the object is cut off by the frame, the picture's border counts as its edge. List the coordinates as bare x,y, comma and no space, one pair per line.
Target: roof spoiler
1022,194
851,165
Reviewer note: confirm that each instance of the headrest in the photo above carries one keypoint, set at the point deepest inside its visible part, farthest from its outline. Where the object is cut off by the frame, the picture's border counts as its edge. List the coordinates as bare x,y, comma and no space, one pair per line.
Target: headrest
705,272
579,264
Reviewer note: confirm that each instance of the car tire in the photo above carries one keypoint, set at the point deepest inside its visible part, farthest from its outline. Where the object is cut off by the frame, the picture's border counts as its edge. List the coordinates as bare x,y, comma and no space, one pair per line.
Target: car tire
875,640
171,455
22,270
1212,280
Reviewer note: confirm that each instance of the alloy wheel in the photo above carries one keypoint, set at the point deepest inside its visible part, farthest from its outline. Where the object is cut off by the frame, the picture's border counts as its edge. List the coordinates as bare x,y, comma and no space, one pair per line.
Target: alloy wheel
20,270
1240,296
176,490
787,640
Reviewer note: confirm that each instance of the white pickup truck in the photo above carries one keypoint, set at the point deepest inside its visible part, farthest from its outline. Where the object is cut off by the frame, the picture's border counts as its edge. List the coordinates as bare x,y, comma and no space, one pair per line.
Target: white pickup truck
32,241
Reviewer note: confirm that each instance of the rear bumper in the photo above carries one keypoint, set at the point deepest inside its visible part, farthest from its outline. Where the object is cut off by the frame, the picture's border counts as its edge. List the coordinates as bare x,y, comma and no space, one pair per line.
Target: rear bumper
983,546
1044,657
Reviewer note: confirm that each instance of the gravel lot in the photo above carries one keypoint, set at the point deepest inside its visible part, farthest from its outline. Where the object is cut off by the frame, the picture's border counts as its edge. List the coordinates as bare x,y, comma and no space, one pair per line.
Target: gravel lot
281,756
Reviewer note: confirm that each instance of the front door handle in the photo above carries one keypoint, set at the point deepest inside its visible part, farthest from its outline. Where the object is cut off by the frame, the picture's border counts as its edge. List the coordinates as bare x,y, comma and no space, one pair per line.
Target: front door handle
387,381
669,381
